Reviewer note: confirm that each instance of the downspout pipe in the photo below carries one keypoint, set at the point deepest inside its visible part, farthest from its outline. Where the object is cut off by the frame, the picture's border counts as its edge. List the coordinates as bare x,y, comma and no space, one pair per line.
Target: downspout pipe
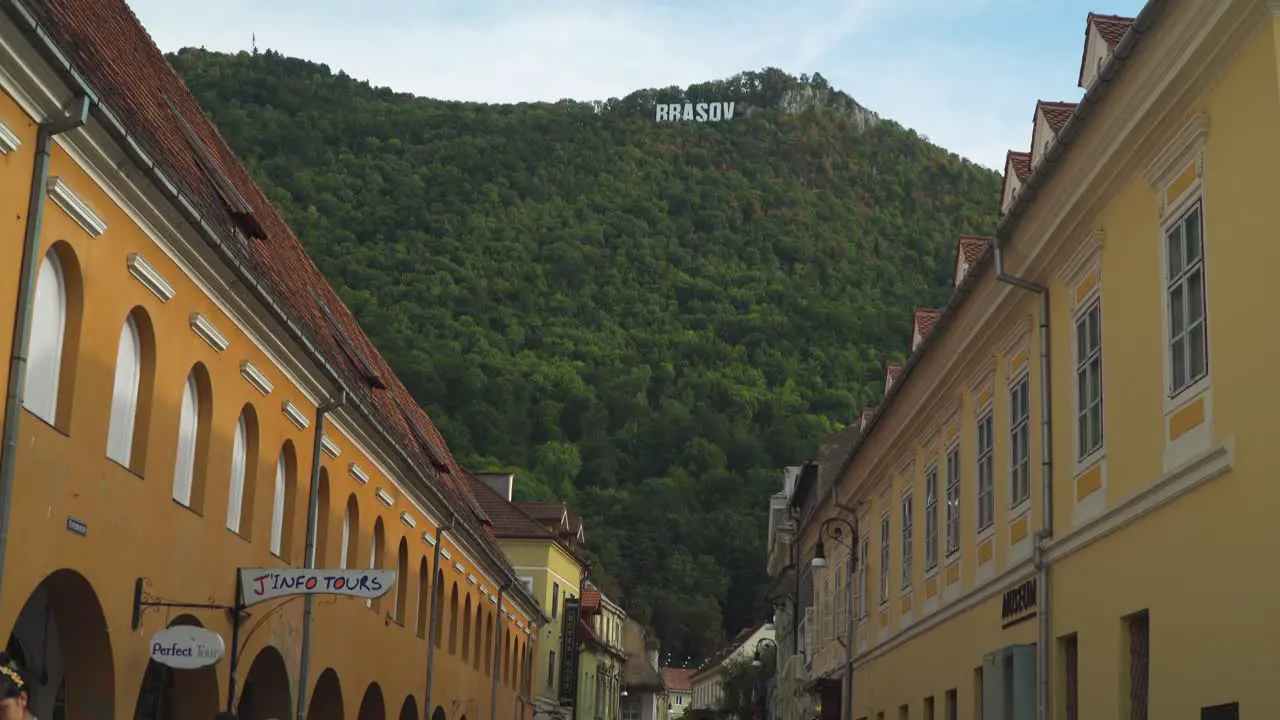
437,606
497,652
1045,629
313,526
75,115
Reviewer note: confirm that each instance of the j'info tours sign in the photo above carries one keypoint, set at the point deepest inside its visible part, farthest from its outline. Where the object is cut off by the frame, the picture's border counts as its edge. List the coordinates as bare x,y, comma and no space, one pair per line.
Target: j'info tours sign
569,652
694,112
262,584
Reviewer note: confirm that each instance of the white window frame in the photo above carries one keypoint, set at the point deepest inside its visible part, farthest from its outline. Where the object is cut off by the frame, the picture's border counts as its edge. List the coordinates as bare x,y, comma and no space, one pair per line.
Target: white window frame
375,549
931,519
953,500
985,467
1182,280
46,341
124,394
184,466
885,537
907,558
1020,439
346,538
1088,373
239,468
864,555
278,503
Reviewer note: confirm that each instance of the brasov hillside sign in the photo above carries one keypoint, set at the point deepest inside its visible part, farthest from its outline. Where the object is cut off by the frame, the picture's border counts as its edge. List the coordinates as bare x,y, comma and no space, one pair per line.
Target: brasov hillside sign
187,647
262,584
695,112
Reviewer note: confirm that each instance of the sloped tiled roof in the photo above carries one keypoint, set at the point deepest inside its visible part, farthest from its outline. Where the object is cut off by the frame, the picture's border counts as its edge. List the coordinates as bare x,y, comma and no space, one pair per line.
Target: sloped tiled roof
972,247
1111,27
111,50
508,519
925,319
1056,113
590,601
549,512
1021,162
678,679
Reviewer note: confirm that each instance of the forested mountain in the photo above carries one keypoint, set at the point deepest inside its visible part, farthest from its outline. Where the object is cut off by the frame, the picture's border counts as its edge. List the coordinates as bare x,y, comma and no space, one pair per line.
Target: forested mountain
649,320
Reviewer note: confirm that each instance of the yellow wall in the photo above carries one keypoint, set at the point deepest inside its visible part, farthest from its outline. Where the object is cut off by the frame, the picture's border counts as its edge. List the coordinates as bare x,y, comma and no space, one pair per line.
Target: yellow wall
136,529
550,566
1159,520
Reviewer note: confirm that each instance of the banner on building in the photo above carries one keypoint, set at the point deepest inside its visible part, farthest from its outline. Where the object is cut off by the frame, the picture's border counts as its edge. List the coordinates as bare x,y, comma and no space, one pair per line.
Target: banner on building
569,640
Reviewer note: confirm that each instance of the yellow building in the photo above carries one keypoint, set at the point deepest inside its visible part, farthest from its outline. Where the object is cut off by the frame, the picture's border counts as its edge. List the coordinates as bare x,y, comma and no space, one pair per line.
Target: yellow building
1113,571
602,658
543,540
185,389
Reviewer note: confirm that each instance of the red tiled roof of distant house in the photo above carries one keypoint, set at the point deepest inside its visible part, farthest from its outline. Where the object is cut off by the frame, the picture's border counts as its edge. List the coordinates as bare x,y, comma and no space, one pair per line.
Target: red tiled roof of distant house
925,319
113,52
678,679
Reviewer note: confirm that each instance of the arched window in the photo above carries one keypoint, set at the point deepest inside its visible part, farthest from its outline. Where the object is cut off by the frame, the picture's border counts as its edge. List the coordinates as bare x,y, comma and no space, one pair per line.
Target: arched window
488,644
282,506
322,520
376,545
188,436
466,628
402,581
48,329
350,533
506,657
124,394
478,652
453,620
239,466
437,608
424,589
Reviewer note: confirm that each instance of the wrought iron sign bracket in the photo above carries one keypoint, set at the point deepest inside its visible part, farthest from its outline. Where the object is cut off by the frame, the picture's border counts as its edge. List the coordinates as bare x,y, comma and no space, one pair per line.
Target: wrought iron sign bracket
144,600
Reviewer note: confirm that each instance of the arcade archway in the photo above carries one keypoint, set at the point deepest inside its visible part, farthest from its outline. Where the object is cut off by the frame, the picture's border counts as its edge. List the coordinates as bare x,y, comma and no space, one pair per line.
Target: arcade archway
265,693
60,639
168,694
372,706
409,710
326,698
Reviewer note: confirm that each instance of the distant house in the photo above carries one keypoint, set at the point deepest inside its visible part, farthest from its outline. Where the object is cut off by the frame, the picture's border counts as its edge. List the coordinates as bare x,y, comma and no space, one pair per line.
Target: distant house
644,695
708,680
679,682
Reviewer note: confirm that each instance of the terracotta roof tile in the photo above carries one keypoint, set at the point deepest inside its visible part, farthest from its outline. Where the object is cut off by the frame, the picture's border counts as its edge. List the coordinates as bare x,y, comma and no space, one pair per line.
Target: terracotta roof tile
678,679
1056,113
509,520
925,319
972,246
1111,27
893,370
590,601
1021,164
115,55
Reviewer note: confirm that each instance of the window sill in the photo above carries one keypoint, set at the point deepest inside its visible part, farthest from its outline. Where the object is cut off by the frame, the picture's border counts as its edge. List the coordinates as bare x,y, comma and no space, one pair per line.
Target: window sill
1020,509
239,535
1177,400
985,534
931,572
52,425
186,507
1087,463
122,466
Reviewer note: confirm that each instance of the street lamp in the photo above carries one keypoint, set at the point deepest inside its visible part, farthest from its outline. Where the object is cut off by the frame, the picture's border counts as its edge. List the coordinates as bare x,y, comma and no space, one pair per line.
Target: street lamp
755,659
834,528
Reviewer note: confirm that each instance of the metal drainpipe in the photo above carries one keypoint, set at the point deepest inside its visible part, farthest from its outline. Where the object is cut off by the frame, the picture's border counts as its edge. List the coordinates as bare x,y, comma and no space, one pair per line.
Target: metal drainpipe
1045,629
75,114
437,606
497,652
309,557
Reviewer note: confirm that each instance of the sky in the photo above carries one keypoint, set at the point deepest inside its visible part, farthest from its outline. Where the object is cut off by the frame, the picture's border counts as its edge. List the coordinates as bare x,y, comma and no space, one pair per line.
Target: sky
964,73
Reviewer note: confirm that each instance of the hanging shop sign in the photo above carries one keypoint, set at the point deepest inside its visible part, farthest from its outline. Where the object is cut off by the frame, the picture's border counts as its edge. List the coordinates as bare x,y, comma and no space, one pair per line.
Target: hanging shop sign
569,640
187,647
1019,603
262,584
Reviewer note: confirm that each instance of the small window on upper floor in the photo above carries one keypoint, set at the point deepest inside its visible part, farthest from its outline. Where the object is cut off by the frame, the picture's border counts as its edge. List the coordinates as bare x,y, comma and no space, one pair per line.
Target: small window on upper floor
124,394
192,438
555,600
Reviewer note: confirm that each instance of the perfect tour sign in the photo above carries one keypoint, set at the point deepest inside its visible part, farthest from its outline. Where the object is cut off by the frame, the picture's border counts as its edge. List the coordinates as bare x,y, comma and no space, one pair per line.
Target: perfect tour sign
262,584
694,112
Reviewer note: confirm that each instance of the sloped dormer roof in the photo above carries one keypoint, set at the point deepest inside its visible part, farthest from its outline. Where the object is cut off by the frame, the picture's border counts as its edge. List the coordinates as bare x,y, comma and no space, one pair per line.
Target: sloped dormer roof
968,249
891,373
1101,35
922,325
1048,121
1017,170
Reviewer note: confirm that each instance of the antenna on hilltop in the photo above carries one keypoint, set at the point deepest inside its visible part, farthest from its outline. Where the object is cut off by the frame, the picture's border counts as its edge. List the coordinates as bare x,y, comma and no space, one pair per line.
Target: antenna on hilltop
254,43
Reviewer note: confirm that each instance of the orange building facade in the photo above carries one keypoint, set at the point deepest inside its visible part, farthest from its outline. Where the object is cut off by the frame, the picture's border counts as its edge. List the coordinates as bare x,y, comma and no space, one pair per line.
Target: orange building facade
164,425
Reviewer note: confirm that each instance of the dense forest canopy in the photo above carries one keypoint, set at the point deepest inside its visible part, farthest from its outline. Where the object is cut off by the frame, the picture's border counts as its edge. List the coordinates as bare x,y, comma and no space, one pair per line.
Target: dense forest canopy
648,320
